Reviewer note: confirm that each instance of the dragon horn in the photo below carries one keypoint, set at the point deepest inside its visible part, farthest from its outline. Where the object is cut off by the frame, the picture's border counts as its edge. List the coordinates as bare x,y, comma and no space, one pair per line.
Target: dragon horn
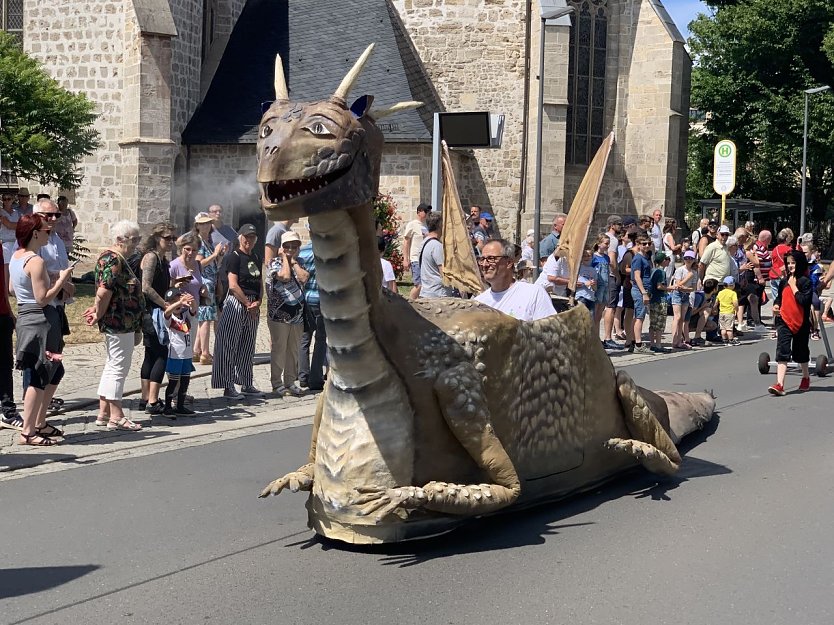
281,92
347,82
399,106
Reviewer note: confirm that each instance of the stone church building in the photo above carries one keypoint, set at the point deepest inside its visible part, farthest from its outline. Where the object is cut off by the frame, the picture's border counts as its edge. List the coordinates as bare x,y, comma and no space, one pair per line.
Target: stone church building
179,86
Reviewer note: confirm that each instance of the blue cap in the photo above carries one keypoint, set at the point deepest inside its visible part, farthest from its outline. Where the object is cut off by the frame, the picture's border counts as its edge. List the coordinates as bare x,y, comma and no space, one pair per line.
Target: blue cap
729,281
486,216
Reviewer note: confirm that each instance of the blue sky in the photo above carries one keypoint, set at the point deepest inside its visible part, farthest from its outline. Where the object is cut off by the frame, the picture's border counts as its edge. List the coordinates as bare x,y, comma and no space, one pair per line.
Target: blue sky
683,12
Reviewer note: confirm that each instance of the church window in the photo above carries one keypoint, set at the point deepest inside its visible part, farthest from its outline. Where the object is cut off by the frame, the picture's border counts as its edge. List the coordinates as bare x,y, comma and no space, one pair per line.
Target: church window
586,80
11,18
208,27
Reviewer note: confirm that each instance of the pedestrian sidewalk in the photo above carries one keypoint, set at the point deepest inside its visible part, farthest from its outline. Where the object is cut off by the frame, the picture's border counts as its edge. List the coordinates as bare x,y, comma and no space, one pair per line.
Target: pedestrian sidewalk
84,442
217,418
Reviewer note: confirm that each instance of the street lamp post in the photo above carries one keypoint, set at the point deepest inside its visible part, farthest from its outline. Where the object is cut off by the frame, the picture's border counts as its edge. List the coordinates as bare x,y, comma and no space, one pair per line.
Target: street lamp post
808,92
548,10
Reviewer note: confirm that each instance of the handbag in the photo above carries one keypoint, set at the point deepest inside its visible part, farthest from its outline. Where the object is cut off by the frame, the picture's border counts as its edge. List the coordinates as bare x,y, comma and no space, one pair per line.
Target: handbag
790,311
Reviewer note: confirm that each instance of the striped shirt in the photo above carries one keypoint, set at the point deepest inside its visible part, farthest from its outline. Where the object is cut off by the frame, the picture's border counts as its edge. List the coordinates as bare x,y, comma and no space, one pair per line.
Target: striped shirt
763,254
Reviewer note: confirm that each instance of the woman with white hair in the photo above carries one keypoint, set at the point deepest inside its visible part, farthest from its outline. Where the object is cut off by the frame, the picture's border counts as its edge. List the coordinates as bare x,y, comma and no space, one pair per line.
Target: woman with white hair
118,311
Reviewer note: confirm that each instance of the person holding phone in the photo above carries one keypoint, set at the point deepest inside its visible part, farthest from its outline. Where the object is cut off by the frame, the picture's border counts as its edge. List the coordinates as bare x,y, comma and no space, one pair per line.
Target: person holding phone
40,342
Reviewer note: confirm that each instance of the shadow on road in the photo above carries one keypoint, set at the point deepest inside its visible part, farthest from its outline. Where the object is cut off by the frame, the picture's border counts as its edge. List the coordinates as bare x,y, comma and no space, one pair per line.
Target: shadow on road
531,526
24,581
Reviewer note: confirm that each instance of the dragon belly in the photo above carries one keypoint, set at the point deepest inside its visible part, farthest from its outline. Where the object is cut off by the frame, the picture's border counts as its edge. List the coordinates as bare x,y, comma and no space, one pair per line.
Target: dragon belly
364,441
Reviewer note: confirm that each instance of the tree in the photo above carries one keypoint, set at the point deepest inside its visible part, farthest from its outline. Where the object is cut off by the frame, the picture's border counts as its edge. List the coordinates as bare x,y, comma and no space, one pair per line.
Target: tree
46,130
752,61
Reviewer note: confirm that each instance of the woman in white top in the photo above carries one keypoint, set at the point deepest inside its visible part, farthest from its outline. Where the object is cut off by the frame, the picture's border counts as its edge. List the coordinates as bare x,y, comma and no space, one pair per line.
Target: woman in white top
39,342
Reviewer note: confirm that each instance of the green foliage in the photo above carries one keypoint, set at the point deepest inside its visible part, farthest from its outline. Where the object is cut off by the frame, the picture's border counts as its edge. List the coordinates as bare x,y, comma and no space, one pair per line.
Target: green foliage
79,250
46,129
753,59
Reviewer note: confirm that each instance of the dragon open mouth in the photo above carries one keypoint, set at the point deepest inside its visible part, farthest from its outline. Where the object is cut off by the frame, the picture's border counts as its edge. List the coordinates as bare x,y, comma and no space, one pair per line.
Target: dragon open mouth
283,190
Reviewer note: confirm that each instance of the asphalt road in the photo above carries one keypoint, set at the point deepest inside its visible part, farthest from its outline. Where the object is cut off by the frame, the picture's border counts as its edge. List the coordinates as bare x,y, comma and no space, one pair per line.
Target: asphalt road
740,536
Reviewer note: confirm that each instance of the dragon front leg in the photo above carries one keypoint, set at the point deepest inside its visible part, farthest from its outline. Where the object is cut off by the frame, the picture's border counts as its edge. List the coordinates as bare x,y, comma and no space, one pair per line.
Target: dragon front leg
302,478
651,445
463,404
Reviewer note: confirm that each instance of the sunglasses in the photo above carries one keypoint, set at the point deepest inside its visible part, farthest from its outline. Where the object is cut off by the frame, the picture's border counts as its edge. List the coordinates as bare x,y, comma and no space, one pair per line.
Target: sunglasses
169,238
50,215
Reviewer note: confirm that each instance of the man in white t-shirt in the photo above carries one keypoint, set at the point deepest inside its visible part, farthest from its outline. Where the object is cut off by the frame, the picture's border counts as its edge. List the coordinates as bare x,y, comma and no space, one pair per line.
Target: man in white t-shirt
521,300
656,232
554,276
413,234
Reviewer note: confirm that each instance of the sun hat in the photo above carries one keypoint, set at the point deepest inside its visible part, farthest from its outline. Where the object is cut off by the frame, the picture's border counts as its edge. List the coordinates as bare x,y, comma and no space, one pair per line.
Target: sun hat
203,218
290,235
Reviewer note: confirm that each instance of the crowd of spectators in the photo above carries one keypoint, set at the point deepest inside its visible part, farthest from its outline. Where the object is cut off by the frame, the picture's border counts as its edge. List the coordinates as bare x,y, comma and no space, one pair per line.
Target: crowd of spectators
170,291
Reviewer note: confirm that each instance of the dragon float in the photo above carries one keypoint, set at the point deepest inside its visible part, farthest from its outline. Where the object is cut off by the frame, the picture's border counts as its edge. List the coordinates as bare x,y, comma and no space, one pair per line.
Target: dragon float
438,411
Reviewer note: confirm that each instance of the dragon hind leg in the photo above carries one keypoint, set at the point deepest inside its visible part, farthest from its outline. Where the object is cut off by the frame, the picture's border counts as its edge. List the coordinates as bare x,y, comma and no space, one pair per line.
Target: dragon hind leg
651,444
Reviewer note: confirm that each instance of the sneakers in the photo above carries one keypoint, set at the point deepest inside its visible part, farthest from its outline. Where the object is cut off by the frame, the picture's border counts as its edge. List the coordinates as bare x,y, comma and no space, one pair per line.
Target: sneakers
182,411
169,413
231,393
251,391
761,328
735,341
696,342
155,408
609,344
295,390
777,389
815,336
642,349
659,349
805,384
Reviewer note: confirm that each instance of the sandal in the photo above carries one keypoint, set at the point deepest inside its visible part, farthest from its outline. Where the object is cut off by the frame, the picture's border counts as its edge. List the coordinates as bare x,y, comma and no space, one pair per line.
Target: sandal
124,424
49,431
13,422
43,442
102,421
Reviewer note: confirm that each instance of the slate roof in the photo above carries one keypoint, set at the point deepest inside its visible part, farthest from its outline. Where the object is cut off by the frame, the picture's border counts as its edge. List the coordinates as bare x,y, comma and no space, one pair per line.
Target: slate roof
319,41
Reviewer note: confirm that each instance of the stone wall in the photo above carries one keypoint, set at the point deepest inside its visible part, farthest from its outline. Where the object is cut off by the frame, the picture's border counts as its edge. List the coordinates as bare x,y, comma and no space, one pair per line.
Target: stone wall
81,43
185,62
473,51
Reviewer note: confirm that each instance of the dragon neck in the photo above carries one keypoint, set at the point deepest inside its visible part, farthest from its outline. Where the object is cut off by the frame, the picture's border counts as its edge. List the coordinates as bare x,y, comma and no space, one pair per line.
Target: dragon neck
349,276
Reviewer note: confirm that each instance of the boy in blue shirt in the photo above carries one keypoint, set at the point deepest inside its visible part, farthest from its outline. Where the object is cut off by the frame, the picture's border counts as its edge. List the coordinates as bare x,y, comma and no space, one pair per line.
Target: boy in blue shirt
657,302
641,274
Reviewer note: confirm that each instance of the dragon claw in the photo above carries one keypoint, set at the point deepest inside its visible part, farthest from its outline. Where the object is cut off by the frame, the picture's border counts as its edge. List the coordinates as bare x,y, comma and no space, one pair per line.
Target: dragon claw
295,481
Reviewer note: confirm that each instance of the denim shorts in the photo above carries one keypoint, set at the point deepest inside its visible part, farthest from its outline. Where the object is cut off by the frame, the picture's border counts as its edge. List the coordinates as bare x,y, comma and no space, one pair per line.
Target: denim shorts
415,273
639,305
680,298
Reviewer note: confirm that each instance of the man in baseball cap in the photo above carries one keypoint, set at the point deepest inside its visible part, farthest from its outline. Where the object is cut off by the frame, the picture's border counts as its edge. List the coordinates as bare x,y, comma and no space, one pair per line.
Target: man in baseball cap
716,262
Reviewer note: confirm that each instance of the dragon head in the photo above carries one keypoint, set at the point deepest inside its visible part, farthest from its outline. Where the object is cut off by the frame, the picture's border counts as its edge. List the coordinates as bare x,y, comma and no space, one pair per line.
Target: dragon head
319,156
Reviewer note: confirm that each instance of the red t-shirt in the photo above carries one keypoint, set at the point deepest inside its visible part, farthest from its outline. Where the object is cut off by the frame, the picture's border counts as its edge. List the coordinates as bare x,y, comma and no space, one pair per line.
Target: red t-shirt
4,299
778,258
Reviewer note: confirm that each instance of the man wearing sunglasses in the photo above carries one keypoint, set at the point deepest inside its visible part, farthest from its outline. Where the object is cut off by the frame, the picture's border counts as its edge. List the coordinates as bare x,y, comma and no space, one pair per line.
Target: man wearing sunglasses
521,300
716,262
23,207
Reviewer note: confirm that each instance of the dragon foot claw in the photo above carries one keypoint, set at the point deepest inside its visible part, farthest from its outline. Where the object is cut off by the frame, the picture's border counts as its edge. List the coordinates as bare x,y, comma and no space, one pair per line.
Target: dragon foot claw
648,455
382,502
295,481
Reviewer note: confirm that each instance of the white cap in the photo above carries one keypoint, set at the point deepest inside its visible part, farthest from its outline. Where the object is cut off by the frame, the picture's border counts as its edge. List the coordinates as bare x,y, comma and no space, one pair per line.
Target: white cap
724,230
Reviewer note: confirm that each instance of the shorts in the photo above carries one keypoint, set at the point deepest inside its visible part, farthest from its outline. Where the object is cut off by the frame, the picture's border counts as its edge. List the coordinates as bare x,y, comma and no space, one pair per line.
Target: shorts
627,299
415,273
725,321
680,299
179,366
589,304
792,345
207,313
816,302
639,305
613,292
657,316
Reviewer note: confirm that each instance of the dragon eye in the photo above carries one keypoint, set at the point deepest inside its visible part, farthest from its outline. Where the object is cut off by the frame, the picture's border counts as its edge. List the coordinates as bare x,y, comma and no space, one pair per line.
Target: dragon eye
317,128
265,132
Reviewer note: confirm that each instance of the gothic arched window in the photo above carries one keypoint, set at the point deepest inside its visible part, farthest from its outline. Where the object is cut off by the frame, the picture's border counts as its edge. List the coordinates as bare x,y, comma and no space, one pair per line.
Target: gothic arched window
586,80
11,18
